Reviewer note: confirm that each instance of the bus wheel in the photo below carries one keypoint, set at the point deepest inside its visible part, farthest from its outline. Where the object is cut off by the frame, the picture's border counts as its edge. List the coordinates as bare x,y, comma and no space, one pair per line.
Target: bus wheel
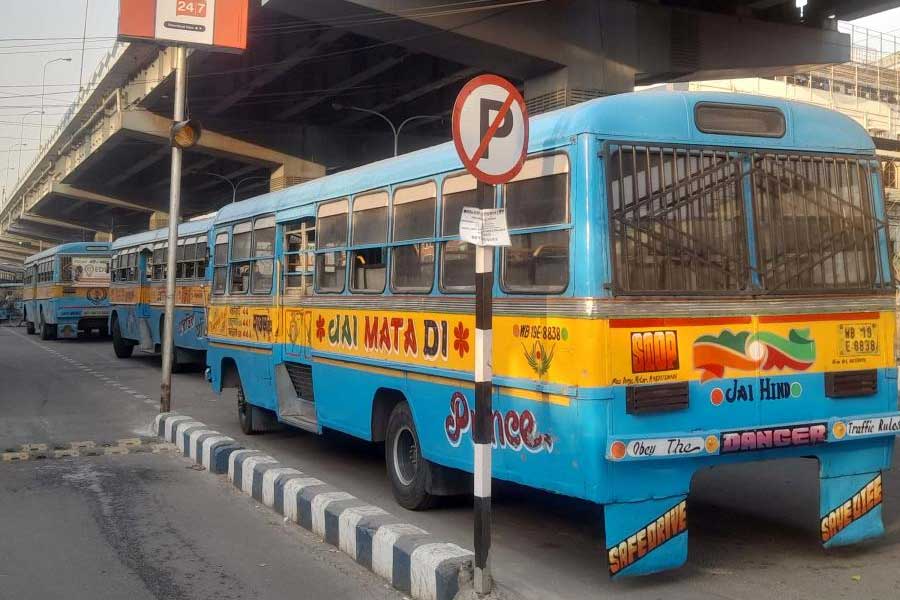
121,347
254,419
47,332
407,468
29,327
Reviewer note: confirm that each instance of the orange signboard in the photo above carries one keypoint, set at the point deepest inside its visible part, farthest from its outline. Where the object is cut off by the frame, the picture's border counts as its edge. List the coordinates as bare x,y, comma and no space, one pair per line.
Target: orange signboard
220,24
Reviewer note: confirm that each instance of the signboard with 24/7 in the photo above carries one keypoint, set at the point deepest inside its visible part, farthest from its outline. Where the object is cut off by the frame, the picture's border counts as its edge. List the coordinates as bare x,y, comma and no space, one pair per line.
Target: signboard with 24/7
490,133
219,24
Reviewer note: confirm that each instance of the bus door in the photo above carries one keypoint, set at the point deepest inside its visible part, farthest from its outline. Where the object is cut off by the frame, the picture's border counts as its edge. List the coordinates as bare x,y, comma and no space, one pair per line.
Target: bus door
294,375
142,260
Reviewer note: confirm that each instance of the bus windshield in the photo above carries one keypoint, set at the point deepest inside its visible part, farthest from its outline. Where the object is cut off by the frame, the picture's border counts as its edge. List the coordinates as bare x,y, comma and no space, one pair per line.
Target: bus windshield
742,222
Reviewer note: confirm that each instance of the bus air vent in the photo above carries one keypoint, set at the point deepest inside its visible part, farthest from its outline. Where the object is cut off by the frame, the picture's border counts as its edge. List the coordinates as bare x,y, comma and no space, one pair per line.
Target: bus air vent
851,383
643,399
301,378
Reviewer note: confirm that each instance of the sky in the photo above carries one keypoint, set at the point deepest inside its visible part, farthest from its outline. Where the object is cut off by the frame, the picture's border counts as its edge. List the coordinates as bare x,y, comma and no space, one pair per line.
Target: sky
25,26
34,32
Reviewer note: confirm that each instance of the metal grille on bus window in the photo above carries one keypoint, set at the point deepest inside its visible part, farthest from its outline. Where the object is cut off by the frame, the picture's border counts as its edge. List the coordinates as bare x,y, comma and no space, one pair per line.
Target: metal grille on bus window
677,220
65,268
816,224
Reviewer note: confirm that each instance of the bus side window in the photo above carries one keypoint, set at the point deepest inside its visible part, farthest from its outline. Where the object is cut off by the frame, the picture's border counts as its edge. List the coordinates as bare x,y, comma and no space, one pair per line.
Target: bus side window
331,241
368,237
201,252
263,255
538,261
412,262
457,256
179,260
132,265
220,262
241,239
159,261
299,242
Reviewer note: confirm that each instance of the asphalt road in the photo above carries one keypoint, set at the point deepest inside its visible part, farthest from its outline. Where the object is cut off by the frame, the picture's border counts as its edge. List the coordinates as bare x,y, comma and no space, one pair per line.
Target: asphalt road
754,527
137,526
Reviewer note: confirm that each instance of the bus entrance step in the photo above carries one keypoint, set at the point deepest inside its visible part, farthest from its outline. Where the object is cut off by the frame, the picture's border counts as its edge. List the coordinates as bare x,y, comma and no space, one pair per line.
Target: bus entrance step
303,423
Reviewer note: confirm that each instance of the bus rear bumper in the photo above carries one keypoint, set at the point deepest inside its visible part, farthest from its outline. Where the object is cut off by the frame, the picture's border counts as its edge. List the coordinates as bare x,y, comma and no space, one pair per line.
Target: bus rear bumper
650,535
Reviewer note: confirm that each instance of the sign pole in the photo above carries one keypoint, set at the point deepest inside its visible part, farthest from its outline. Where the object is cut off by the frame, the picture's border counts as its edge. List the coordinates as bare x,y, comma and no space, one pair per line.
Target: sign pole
483,428
490,132
168,347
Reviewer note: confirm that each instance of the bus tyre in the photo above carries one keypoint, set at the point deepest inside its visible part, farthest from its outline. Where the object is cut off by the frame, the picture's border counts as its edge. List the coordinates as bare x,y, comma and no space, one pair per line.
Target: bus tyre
254,419
29,327
47,330
121,347
407,468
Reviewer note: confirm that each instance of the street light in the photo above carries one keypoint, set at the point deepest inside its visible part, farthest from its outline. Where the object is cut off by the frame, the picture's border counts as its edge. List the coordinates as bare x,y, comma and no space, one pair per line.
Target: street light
395,128
21,137
235,186
43,79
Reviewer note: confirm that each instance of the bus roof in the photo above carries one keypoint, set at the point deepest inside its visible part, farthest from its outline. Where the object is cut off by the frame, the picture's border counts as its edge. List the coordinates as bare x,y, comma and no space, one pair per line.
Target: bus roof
157,235
71,248
653,116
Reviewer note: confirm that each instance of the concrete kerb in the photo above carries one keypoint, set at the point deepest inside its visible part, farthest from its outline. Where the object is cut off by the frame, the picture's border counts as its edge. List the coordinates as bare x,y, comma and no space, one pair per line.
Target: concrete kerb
411,559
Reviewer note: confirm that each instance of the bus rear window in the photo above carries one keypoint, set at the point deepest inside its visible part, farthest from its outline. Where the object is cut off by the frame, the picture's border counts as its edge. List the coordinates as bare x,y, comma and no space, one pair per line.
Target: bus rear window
679,222
739,119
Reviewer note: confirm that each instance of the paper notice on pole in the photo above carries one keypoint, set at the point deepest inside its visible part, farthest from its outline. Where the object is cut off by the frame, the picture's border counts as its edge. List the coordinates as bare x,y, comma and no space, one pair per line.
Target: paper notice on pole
484,227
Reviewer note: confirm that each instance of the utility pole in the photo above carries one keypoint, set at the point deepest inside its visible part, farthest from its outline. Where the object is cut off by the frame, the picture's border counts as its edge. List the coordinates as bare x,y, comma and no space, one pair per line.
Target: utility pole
165,399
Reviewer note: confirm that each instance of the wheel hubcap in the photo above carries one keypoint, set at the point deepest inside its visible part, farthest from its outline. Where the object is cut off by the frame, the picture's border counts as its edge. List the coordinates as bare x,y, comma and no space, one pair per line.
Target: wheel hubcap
406,456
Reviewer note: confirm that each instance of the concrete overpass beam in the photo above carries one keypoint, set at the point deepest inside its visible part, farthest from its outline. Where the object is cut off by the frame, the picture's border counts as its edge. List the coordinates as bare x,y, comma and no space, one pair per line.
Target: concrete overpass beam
277,70
149,125
54,222
354,80
14,248
12,258
70,191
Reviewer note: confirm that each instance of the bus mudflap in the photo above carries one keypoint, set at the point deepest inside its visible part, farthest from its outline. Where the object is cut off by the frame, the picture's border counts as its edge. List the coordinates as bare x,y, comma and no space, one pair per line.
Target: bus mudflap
850,508
646,536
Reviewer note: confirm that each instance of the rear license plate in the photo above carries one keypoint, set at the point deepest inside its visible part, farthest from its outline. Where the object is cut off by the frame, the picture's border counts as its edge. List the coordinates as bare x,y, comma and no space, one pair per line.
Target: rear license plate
856,339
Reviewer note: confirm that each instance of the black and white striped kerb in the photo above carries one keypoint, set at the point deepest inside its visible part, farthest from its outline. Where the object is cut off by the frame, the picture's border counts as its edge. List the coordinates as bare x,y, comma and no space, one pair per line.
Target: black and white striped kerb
411,559
482,428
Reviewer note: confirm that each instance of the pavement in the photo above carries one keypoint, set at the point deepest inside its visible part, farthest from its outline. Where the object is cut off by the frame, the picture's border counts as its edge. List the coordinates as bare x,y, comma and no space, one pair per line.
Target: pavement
754,527
140,525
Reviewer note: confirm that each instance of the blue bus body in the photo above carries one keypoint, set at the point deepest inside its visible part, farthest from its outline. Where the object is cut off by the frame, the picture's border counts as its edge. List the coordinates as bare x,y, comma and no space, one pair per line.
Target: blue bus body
615,379
138,292
66,290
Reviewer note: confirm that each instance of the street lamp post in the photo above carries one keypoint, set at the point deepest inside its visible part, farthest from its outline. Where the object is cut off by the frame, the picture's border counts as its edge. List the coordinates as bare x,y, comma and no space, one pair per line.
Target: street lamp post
235,186
395,128
21,137
43,80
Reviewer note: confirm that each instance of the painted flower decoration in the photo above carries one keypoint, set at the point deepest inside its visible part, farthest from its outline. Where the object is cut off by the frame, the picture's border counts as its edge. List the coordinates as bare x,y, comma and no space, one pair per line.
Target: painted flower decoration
461,343
320,328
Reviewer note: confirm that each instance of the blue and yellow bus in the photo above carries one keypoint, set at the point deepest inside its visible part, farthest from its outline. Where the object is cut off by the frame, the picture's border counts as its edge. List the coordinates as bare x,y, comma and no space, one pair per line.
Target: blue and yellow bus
138,292
10,292
694,279
66,290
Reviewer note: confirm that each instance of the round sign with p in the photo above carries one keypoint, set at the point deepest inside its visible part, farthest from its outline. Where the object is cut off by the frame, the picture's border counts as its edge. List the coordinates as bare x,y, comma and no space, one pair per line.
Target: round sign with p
490,128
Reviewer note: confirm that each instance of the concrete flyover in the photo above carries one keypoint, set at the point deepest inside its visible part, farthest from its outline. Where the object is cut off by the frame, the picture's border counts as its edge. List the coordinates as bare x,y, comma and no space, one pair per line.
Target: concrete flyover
286,110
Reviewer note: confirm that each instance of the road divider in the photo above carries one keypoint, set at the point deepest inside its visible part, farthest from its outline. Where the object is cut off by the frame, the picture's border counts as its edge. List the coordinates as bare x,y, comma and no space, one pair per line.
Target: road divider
409,558
42,451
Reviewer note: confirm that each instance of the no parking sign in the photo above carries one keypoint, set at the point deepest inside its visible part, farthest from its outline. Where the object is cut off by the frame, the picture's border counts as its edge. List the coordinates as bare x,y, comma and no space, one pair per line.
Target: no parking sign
490,129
